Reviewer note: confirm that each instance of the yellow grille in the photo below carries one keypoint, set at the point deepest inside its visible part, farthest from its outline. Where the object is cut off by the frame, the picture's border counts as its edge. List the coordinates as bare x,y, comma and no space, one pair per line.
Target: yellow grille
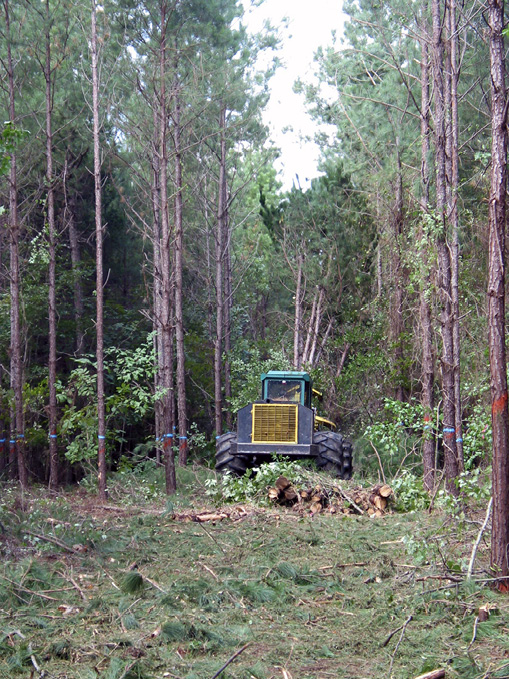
274,423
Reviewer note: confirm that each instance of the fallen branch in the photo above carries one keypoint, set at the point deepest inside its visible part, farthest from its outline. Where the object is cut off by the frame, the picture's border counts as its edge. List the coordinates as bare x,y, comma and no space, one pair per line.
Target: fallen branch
478,540
128,669
218,516
59,543
452,578
235,655
203,565
403,630
434,674
34,662
349,499
28,591
379,461
153,583
75,585
474,633
395,632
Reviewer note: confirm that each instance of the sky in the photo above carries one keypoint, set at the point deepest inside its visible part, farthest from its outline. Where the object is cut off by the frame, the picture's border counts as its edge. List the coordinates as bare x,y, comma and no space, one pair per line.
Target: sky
310,24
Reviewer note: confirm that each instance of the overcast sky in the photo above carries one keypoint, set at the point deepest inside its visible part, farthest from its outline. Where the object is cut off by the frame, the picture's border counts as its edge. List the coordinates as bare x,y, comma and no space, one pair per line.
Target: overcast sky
310,24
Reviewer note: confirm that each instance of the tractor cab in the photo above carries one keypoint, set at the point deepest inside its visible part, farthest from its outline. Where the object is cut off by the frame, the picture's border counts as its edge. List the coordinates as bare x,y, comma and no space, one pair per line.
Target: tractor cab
287,387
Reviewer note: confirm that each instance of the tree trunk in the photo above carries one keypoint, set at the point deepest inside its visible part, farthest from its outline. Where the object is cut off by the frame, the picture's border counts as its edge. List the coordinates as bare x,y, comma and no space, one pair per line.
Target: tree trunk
297,329
166,284
311,325
156,288
397,311
17,445
101,416
496,296
444,261
427,361
52,312
179,266
220,301
454,219
228,303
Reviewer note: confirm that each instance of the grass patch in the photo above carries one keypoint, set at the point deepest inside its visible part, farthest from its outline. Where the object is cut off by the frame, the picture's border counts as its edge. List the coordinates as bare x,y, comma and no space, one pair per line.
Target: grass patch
128,590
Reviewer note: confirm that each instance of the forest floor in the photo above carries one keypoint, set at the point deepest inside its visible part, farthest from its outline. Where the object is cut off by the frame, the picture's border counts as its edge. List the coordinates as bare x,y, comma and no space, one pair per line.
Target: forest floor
139,588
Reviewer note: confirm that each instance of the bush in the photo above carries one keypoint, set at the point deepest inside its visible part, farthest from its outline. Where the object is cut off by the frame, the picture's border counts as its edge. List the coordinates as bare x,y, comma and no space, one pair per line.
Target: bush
254,483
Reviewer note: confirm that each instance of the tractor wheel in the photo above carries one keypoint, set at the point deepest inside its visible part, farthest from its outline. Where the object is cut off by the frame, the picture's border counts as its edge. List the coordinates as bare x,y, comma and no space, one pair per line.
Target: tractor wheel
347,459
225,461
330,455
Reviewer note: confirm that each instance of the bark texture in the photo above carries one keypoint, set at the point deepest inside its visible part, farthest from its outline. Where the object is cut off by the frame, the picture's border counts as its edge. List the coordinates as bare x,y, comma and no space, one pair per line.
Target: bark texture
17,441
101,417
52,302
444,261
496,296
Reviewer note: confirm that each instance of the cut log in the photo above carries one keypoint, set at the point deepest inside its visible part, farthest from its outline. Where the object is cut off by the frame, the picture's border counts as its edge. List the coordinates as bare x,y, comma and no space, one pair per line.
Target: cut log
209,517
316,507
380,502
282,483
290,494
484,612
273,493
385,491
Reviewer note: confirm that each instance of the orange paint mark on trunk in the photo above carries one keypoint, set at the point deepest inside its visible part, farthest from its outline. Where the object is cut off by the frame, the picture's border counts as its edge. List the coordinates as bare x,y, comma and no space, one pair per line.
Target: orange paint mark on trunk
499,404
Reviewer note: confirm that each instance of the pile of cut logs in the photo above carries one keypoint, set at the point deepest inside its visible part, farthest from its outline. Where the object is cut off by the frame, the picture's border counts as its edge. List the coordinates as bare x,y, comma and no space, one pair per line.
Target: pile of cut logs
332,498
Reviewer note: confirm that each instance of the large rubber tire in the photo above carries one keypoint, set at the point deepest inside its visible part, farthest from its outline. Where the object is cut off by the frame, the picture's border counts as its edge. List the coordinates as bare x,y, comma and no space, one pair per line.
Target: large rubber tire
347,459
334,454
225,461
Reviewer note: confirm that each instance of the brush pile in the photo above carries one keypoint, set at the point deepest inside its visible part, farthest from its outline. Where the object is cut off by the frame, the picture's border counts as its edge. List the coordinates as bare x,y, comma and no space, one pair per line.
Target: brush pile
332,498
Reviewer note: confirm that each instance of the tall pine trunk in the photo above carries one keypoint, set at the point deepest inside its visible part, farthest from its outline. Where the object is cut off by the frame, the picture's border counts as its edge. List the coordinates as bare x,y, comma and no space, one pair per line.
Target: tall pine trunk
156,285
165,259
52,312
297,326
101,415
220,300
427,360
496,295
179,269
17,440
454,220
397,321
444,261
227,271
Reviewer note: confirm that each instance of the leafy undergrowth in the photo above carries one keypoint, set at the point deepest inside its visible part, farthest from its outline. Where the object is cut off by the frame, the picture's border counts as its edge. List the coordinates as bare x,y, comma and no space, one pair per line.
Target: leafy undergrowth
140,589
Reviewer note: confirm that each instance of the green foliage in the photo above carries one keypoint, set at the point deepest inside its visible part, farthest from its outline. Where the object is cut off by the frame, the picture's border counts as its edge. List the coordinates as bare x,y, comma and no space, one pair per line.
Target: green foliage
477,437
410,492
253,485
397,438
474,487
130,398
132,583
247,366
10,136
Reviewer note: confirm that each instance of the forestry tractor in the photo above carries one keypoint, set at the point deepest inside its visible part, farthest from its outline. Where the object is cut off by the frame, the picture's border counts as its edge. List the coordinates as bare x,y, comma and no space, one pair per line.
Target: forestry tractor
284,423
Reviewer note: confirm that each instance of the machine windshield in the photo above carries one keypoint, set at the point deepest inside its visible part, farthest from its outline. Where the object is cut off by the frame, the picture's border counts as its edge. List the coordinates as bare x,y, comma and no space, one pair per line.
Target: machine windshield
288,391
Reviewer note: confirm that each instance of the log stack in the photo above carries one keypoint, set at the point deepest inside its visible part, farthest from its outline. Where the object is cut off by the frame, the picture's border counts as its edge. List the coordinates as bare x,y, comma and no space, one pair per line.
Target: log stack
332,498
